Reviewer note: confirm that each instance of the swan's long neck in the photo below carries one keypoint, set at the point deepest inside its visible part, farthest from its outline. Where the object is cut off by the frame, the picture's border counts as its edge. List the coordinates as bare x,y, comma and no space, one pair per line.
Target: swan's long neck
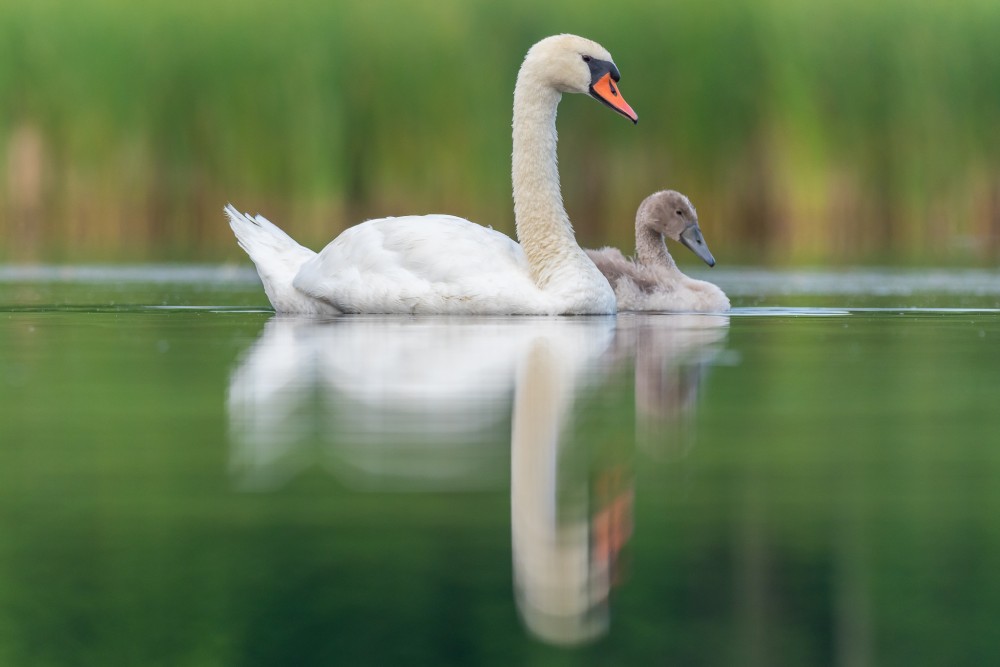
543,227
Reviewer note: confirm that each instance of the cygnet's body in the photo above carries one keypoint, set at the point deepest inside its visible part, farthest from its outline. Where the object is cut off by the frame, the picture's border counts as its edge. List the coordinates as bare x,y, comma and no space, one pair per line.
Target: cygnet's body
652,280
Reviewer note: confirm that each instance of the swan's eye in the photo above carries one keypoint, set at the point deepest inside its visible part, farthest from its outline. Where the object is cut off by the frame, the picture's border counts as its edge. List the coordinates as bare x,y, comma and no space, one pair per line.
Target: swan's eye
586,59
680,212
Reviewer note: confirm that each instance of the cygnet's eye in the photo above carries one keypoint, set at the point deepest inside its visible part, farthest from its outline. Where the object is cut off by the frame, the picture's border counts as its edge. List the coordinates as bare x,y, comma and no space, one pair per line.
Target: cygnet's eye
586,59
680,212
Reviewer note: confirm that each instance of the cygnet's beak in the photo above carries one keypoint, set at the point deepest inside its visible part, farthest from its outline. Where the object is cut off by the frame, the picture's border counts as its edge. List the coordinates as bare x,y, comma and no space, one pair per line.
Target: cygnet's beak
692,238
605,89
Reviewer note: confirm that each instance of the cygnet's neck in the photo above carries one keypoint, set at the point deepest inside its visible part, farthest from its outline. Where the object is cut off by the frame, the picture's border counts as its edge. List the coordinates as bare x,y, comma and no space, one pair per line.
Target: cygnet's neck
543,227
650,246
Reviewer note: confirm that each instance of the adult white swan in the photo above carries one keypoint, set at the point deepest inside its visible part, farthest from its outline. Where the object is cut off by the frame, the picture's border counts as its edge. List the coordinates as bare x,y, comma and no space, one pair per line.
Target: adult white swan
447,265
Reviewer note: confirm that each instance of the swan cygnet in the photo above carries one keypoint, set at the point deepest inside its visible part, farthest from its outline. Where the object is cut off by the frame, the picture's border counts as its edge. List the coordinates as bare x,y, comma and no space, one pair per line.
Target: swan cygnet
440,264
652,280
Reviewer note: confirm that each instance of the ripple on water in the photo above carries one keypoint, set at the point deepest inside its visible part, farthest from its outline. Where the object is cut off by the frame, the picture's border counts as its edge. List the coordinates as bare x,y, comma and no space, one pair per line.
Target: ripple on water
904,289
855,282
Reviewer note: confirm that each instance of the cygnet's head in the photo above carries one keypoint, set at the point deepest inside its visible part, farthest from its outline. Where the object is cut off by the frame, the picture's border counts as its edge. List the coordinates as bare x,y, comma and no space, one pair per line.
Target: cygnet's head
572,64
671,214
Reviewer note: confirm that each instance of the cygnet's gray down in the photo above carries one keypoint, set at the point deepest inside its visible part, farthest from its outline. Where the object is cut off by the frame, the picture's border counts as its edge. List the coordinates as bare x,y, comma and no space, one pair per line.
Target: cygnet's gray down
652,280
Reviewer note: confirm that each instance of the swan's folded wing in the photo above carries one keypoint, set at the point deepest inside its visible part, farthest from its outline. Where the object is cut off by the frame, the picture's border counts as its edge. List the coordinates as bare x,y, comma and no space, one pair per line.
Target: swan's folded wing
422,264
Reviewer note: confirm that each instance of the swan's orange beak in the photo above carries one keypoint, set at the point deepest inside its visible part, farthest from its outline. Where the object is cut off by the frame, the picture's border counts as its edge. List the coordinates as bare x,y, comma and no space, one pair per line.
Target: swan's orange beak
606,90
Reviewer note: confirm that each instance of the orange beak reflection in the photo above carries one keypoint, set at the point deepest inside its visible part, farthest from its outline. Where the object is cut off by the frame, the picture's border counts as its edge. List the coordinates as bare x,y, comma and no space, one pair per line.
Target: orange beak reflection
606,90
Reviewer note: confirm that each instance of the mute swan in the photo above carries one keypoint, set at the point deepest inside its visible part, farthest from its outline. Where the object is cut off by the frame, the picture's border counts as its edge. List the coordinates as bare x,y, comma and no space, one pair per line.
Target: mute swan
447,265
652,281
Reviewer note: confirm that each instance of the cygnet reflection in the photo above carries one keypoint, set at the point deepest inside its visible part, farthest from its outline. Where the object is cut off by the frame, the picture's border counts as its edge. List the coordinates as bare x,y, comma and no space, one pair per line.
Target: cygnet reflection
671,363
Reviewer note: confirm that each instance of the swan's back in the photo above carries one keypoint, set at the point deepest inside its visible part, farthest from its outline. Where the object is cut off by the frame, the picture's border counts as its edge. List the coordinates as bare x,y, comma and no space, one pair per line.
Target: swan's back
423,264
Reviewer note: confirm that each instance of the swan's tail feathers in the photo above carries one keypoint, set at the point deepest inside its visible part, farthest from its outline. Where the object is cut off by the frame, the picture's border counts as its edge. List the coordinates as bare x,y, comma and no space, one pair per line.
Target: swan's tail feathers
278,259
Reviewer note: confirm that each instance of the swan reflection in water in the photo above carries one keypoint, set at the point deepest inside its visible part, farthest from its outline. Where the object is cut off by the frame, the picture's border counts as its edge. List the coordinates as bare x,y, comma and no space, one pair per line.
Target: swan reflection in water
443,404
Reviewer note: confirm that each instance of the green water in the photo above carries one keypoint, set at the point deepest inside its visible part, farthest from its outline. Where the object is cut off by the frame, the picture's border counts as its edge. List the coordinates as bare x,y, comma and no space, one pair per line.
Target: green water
186,479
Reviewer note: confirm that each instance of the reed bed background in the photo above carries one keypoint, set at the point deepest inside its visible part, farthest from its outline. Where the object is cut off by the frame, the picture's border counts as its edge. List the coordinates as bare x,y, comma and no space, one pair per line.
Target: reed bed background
805,132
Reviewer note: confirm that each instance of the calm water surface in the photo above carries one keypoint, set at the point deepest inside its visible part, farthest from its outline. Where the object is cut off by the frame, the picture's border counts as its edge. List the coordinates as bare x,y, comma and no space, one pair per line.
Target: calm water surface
187,479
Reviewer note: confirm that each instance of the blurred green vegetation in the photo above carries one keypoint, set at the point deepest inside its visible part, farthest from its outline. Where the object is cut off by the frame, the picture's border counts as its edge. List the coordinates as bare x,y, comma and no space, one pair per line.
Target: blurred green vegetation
803,131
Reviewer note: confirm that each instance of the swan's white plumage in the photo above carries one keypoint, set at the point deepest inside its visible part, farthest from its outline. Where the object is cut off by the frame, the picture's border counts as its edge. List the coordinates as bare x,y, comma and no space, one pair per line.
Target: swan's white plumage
278,258
423,264
446,265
